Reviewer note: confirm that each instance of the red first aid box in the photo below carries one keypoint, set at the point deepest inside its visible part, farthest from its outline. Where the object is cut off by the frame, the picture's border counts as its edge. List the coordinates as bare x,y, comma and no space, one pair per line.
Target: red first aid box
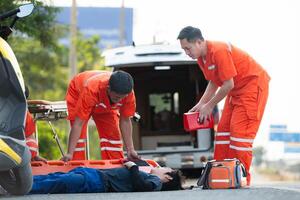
191,123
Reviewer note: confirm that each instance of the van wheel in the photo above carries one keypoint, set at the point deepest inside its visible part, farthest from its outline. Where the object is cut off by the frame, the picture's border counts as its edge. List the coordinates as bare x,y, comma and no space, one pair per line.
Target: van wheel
17,181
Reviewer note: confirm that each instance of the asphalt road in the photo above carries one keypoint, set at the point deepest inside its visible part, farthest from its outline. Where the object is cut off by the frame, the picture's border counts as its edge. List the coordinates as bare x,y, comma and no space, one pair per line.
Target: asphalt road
290,192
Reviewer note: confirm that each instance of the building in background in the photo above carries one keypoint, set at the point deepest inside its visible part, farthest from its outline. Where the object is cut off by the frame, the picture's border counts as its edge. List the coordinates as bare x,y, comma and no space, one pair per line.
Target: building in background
283,144
102,21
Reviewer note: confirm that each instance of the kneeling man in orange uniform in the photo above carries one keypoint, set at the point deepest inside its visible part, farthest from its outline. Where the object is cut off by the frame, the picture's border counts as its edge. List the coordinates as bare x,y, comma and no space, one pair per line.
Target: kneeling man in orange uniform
109,99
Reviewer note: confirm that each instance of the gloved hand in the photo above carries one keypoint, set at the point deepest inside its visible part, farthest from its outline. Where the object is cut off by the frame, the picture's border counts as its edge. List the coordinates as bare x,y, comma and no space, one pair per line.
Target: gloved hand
129,164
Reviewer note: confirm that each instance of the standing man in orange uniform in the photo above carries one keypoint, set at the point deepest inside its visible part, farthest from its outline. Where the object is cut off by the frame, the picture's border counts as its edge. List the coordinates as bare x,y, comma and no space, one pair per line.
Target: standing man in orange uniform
233,74
109,99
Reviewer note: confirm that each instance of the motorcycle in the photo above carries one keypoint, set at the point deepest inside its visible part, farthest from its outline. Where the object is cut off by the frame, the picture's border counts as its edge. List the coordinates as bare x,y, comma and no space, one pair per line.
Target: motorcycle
15,166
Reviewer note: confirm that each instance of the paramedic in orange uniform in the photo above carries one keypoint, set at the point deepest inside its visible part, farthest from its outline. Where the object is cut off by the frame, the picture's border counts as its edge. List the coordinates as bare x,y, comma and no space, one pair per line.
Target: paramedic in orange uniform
233,74
109,99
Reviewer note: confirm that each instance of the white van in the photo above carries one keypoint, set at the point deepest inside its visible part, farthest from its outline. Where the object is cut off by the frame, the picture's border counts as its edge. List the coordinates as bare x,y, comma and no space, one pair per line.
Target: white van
167,84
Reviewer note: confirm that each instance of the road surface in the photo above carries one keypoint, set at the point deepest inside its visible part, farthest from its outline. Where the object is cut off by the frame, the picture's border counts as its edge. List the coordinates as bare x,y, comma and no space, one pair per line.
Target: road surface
277,191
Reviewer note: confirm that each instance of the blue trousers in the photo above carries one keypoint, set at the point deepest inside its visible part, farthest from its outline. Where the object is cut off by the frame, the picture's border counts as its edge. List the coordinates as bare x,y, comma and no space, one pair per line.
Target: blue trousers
78,180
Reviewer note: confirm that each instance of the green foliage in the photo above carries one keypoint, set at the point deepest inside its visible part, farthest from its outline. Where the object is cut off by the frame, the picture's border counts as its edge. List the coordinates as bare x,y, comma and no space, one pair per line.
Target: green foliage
41,68
94,143
88,55
48,147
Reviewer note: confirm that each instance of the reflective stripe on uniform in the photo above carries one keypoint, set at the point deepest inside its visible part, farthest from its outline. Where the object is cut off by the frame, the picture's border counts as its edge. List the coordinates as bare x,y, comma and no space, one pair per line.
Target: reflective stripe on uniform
222,133
111,149
241,140
111,141
80,149
240,148
222,142
33,149
81,141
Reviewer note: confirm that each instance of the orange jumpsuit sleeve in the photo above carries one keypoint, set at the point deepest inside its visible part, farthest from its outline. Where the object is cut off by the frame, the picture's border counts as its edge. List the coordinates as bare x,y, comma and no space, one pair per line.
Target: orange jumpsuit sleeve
129,106
29,125
226,67
86,103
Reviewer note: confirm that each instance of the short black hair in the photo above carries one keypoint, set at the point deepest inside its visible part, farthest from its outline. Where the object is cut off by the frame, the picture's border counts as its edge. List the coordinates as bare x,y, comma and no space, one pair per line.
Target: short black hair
121,82
190,34
175,183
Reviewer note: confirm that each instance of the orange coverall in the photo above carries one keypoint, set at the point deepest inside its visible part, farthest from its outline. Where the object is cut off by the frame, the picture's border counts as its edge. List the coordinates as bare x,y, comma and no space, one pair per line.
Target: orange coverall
87,96
29,130
245,103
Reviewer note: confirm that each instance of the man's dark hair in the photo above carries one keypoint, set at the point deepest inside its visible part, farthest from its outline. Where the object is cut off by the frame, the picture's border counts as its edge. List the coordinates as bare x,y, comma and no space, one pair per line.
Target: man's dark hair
175,183
121,82
191,34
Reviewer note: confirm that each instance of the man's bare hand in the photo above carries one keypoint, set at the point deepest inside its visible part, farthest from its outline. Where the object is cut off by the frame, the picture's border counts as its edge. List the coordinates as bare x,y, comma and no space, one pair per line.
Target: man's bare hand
132,155
196,108
205,112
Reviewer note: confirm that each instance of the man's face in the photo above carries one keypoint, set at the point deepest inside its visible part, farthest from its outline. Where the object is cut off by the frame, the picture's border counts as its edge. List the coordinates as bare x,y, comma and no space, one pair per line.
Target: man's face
115,97
193,49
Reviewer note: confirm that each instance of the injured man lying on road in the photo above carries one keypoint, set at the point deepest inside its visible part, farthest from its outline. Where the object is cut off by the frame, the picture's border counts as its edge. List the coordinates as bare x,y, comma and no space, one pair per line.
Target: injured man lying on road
90,180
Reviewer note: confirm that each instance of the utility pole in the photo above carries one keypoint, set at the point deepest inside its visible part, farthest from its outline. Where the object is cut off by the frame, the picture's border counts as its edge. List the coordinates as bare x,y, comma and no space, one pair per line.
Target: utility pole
73,38
122,25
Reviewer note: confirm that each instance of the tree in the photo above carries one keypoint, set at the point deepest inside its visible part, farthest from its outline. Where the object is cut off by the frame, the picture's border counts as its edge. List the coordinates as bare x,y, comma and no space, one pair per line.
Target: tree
88,54
40,25
43,69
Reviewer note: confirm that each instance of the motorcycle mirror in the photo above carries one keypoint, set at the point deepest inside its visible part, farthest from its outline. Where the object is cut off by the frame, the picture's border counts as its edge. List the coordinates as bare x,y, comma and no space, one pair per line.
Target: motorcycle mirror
25,10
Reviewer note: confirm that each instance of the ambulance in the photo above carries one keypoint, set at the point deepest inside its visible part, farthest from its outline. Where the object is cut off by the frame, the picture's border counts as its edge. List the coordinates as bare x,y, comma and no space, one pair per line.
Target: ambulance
167,83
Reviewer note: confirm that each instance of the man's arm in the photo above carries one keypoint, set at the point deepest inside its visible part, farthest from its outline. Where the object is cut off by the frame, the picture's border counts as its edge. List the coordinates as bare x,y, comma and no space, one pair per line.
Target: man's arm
207,108
138,182
207,96
126,130
224,90
73,138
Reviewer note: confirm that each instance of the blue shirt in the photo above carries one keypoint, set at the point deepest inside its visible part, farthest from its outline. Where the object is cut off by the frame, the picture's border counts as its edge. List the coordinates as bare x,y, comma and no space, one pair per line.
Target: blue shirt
88,180
119,179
